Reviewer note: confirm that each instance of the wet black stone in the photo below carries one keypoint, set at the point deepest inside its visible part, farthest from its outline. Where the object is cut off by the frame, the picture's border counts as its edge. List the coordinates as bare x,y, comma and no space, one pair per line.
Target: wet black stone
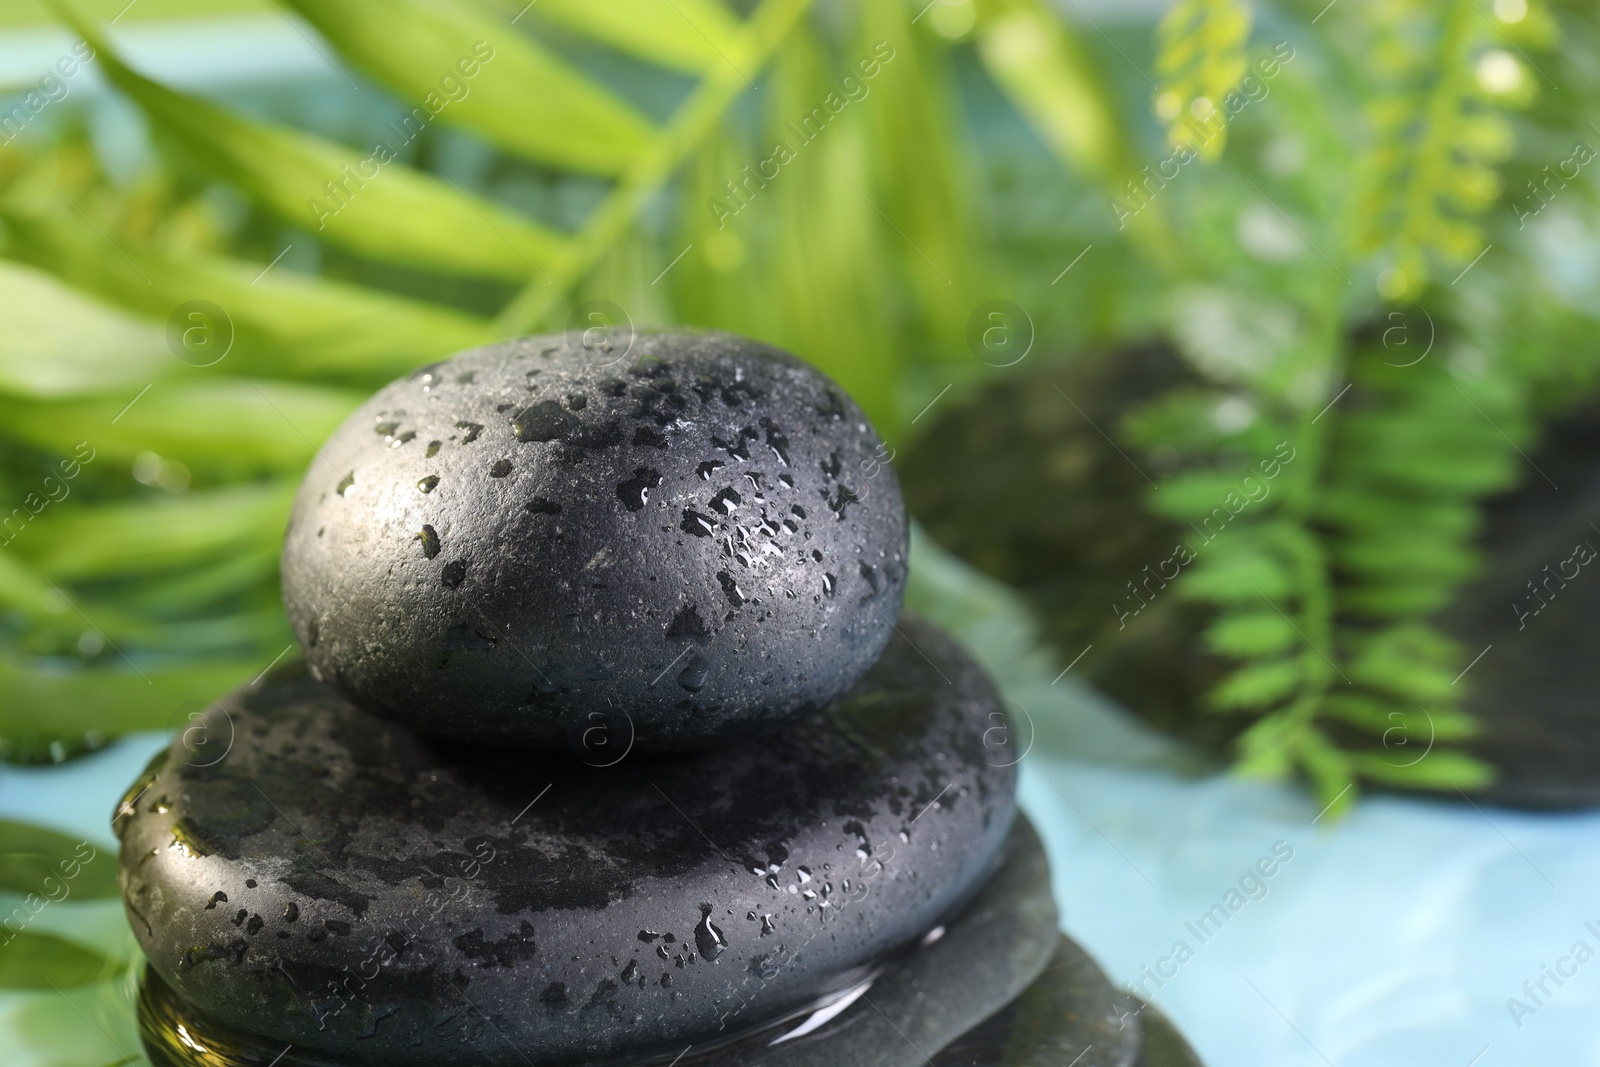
1071,1015
683,480
469,896
963,973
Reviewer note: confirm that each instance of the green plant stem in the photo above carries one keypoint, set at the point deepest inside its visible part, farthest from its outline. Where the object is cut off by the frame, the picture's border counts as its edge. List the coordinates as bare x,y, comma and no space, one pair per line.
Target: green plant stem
761,35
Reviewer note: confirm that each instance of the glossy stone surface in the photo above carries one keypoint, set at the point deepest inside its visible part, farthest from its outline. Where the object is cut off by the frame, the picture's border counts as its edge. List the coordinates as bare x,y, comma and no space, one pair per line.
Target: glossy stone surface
691,538
1071,1015
337,883
983,957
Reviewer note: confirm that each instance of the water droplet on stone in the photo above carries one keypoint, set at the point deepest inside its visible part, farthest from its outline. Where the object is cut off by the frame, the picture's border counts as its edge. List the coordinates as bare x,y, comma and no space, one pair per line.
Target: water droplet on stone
693,675
430,541
635,492
707,938
697,524
544,421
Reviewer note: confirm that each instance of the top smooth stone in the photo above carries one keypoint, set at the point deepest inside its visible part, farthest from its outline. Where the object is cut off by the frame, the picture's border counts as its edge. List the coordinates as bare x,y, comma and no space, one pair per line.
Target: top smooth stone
687,538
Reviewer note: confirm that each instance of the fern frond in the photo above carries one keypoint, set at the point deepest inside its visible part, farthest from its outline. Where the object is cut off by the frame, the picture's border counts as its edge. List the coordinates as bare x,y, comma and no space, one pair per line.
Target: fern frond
1200,61
1439,130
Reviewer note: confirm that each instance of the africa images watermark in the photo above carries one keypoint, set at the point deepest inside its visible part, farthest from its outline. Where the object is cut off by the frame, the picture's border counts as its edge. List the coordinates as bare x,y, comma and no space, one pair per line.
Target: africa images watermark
1536,201
453,87
1537,992
1251,490
1582,553
56,889
1251,886
51,88
55,489
755,177
1202,130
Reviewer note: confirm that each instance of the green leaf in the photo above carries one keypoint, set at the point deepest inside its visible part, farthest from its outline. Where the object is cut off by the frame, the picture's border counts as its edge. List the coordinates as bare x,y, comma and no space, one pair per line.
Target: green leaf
225,425
1034,57
124,538
468,70
690,35
57,342
1235,570
45,961
1209,494
1201,60
111,701
1439,769
1245,633
283,324
1331,770
1381,556
36,859
1387,718
1407,660
1256,684
386,211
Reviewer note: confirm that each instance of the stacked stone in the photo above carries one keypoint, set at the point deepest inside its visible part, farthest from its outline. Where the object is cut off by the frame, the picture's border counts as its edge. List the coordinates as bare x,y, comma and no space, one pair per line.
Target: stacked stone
610,745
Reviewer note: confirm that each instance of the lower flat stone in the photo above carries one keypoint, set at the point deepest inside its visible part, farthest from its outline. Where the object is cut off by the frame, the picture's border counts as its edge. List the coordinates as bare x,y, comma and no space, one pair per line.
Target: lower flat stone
1071,1015
341,886
976,963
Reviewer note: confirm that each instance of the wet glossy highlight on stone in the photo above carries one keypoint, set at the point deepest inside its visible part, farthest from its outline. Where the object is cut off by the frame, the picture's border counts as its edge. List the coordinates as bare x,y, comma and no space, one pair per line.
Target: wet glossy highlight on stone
682,539
338,883
983,957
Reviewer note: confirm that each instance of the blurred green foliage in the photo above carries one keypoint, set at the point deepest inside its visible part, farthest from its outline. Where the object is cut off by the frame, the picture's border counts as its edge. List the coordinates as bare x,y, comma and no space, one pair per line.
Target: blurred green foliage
850,181
1267,185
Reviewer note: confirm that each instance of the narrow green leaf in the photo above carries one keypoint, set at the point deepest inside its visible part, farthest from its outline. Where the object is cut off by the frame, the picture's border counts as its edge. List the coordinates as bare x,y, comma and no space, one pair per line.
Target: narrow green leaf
42,961
350,197
1439,769
36,859
124,538
57,342
225,425
1036,60
1257,684
1331,771
690,35
112,701
465,69
280,323
1237,571
1247,633
1395,720
1210,494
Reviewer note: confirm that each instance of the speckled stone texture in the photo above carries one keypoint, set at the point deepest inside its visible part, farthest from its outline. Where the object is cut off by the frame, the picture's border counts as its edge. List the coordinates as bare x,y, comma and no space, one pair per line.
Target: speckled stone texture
690,539
338,883
977,962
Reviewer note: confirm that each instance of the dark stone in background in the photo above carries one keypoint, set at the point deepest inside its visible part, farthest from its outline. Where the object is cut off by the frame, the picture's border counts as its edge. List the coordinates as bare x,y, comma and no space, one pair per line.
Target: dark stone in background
1019,481
1537,690
690,538
1029,491
338,883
